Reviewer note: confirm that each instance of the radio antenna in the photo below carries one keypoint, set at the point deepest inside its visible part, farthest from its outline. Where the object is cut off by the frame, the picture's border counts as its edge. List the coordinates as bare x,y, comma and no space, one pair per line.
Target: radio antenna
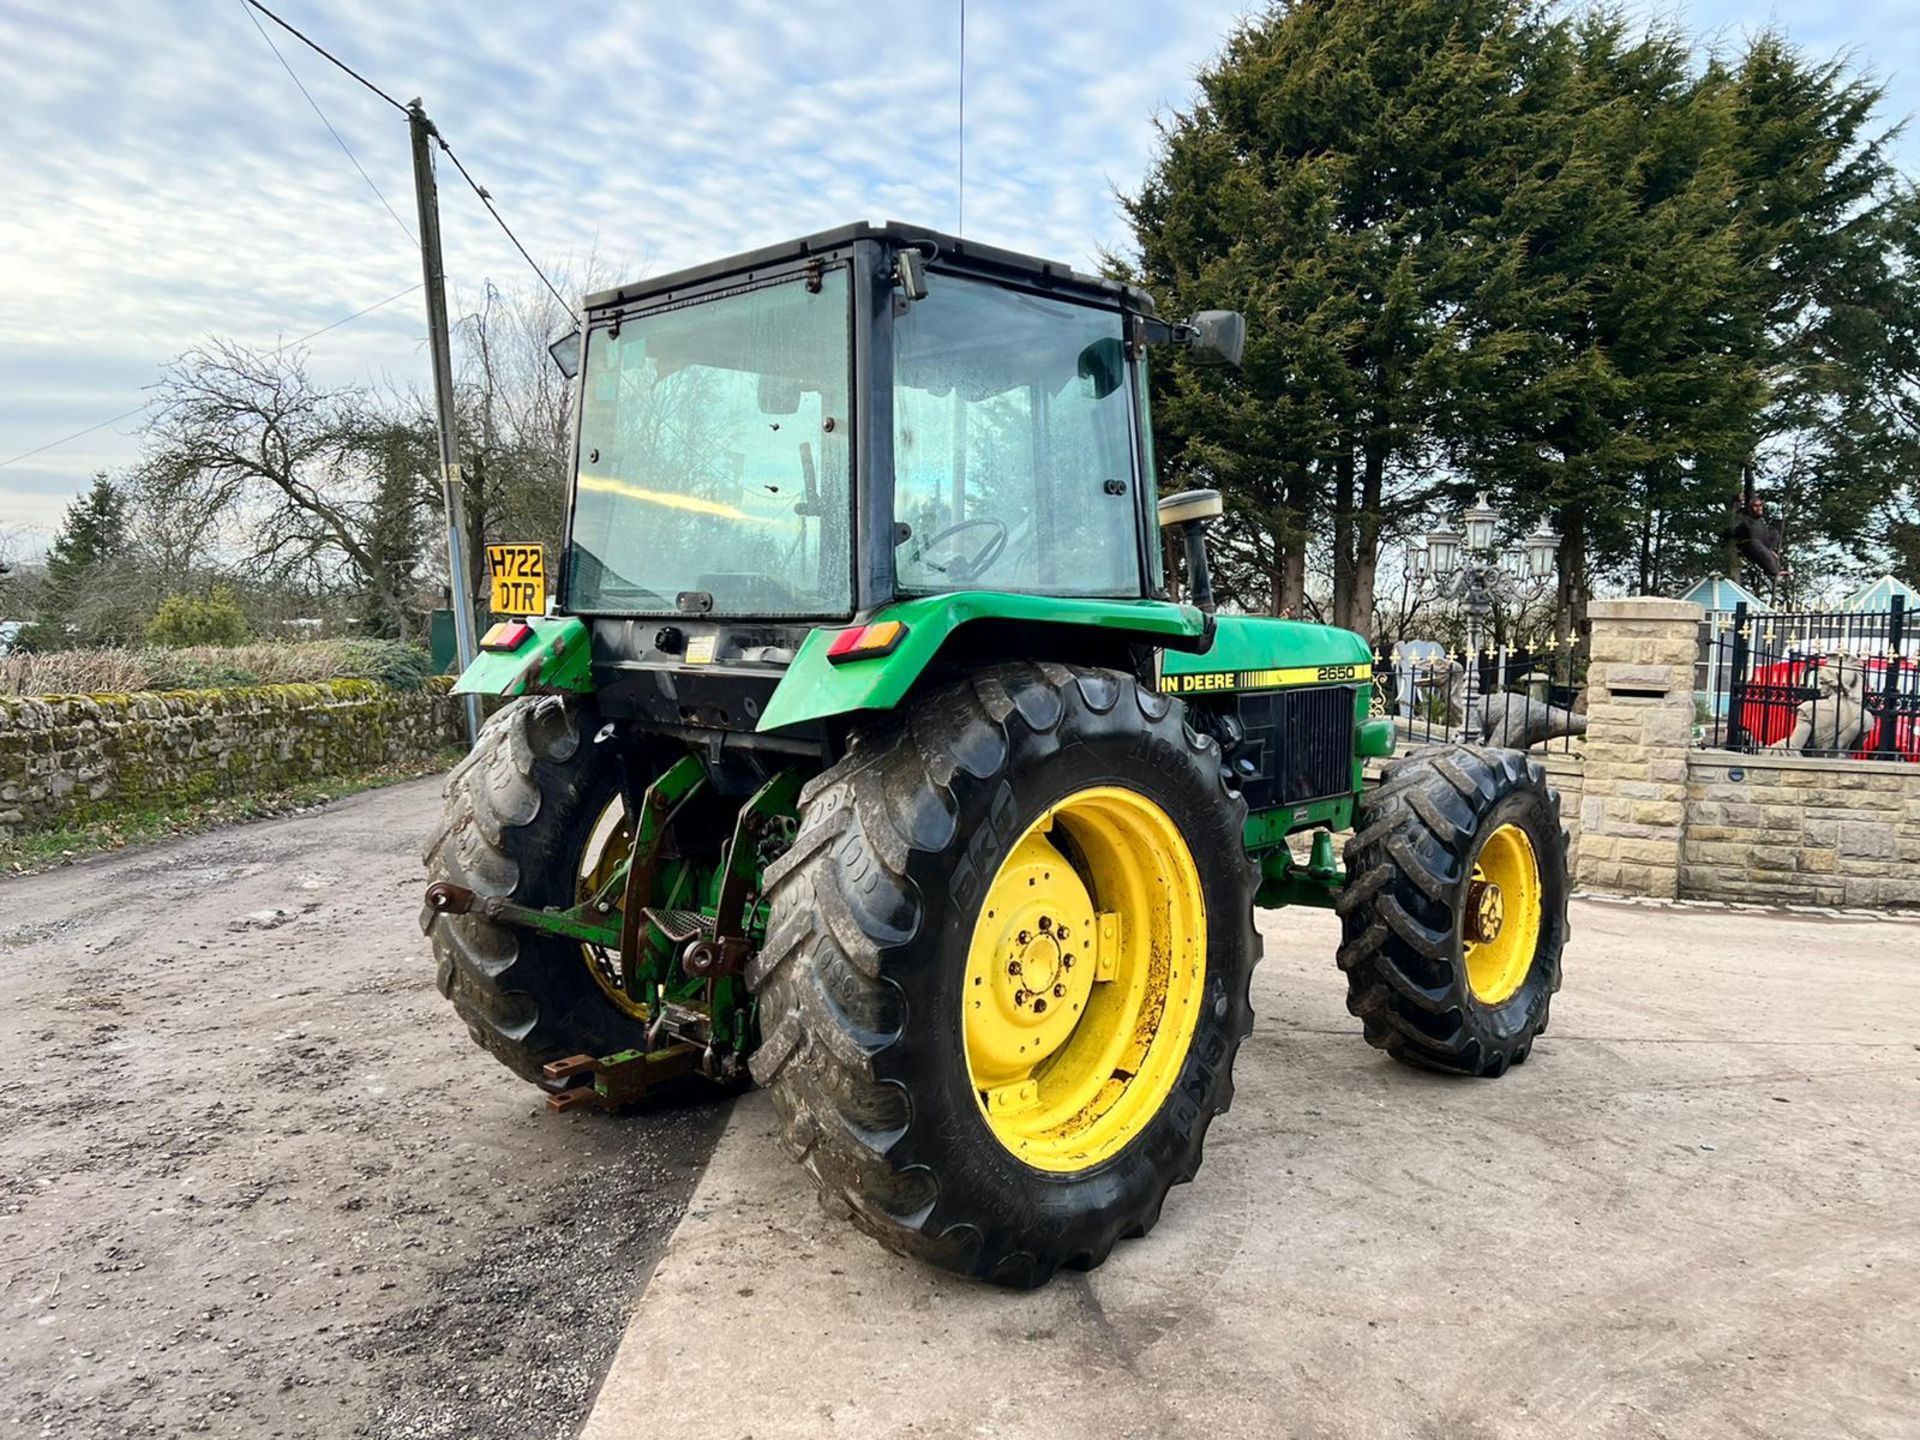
960,203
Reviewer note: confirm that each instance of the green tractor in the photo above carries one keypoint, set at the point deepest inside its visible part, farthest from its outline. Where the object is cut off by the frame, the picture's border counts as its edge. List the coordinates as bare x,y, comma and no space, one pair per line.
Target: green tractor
865,754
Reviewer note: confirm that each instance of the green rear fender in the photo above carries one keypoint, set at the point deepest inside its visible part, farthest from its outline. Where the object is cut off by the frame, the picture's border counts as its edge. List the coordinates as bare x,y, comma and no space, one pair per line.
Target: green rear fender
815,687
555,657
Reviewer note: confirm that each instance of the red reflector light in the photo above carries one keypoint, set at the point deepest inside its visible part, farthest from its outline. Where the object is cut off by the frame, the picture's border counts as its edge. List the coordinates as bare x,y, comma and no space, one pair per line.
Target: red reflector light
864,642
508,635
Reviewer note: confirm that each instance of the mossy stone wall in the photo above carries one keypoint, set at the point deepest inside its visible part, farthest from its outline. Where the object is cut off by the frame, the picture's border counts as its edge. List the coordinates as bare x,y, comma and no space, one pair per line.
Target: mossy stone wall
78,759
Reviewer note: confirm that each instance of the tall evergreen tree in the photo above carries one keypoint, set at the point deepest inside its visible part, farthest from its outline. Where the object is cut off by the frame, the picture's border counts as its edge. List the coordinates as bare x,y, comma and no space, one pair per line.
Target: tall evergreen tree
1625,381
1830,233
92,532
1480,244
401,459
1329,183
79,601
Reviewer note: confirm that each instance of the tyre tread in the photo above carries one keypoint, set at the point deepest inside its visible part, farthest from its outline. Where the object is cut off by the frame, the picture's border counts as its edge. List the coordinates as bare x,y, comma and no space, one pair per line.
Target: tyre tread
1412,843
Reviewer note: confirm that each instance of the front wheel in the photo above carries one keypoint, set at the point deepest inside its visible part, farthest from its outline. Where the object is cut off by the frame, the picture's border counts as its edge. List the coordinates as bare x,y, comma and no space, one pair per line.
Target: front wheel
1006,970
1455,911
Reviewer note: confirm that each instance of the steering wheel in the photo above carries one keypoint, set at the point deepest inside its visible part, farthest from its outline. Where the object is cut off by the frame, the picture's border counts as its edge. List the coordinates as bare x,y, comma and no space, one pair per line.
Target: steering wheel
964,568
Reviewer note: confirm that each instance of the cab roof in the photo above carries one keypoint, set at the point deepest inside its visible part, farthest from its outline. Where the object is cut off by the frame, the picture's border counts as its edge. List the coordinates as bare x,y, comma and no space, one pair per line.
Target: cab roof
1048,274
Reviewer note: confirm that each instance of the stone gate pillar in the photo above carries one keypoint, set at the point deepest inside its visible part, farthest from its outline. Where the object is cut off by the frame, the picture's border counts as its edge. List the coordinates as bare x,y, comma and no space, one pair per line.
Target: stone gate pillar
1639,726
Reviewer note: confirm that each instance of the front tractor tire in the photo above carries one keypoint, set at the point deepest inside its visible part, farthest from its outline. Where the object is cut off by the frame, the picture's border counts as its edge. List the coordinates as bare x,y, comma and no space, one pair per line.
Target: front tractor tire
1006,970
522,812
1455,911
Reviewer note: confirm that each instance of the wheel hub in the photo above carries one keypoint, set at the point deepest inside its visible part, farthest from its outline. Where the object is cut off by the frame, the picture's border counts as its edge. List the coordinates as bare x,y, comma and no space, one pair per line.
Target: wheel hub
1037,967
1502,921
1486,912
1040,985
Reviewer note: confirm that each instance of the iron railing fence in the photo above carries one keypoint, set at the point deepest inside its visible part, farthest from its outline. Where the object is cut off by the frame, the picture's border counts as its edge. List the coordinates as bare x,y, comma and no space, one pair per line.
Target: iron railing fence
1830,684
1518,697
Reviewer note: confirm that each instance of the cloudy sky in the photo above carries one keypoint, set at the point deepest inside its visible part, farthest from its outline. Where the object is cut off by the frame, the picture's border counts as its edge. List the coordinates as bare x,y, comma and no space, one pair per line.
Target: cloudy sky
164,180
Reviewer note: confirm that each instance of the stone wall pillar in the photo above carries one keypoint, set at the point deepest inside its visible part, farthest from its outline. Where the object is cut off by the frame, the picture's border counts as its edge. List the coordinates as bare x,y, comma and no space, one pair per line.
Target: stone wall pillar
1639,727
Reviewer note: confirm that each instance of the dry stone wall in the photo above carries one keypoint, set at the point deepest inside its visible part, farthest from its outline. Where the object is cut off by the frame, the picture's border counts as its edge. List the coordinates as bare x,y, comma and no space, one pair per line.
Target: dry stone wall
79,759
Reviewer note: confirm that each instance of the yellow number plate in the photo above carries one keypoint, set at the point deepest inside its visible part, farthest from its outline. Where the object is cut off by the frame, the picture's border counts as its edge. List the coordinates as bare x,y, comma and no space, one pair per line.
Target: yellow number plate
519,579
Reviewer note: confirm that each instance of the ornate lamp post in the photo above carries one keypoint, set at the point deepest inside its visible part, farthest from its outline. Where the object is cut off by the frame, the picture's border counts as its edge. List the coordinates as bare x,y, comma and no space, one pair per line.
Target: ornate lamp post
1468,569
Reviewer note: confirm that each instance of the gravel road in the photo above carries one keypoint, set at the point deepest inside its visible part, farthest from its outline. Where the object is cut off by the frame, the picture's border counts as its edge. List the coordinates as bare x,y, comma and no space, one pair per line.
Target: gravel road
254,1177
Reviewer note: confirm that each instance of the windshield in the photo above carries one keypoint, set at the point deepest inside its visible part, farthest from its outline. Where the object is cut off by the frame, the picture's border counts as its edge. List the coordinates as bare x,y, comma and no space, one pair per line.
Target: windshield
1013,444
715,469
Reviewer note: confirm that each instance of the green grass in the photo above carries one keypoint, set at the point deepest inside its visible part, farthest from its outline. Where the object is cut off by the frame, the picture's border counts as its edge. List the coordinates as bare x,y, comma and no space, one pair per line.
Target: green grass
45,849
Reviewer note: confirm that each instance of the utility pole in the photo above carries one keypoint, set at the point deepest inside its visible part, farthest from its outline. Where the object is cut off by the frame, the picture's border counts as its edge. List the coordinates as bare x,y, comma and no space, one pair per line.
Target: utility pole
433,272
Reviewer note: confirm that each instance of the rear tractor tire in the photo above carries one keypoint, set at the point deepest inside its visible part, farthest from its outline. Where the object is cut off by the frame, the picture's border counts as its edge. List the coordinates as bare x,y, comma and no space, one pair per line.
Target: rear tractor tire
1006,970
1455,911
526,810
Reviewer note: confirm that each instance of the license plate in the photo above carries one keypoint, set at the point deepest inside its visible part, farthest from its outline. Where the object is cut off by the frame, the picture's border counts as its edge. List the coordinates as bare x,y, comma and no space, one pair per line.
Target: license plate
519,579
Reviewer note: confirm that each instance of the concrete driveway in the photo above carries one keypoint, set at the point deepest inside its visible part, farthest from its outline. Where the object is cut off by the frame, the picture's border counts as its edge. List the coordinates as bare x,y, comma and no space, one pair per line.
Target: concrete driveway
1695,1212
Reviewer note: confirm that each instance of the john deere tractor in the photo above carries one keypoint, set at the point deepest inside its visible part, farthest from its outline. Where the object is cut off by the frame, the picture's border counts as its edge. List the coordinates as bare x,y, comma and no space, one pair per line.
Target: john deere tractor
866,755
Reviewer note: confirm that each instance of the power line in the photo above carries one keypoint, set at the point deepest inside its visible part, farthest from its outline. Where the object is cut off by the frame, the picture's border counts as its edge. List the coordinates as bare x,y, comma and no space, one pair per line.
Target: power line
321,50
344,149
138,409
487,200
478,189
335,325
51,444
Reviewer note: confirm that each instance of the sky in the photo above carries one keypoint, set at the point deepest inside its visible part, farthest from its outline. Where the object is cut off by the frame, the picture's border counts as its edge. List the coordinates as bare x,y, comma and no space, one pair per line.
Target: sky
166,182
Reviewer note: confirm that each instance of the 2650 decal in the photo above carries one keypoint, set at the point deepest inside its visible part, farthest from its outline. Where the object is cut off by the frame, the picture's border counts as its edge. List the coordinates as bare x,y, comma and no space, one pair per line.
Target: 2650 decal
1211,681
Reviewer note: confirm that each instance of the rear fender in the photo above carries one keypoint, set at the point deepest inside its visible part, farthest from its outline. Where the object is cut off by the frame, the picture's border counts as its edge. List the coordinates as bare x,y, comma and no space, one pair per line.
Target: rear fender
554,657
817,688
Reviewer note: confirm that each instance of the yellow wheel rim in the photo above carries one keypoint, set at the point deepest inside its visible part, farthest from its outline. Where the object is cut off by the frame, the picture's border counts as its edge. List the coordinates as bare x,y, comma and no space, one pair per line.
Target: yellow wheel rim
607,845
1501,928
1084,979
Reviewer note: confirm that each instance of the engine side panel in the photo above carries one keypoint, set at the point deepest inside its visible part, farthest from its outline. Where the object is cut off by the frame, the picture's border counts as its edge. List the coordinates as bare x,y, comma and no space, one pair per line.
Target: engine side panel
1287,702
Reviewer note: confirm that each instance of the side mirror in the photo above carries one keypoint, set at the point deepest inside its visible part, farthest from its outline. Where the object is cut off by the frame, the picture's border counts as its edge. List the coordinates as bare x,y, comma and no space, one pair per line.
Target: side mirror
1188,513
1188,506
1216,337
566,353
1104,362
777,395
910,270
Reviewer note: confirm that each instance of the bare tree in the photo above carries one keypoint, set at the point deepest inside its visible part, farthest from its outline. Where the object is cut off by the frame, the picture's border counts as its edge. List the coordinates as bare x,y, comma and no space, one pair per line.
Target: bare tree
321,490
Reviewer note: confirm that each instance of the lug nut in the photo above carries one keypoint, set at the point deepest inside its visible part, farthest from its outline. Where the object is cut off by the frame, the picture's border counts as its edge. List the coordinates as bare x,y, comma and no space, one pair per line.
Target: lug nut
1059,992
1061,933
1013,967
1023,937
1046,923
1020,997
1067,961
1039,1004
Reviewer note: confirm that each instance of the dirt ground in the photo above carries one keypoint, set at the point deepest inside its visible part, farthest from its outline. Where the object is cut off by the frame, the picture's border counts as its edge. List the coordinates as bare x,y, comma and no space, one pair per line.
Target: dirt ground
256,1180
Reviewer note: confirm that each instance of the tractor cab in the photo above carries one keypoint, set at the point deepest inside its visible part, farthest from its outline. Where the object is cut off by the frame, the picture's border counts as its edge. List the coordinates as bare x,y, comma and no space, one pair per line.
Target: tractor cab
791,442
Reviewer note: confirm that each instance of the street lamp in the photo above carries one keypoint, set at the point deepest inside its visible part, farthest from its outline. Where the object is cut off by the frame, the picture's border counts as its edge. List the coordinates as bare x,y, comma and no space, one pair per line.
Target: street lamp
1480,521
1442,555
1542,549
1471,571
